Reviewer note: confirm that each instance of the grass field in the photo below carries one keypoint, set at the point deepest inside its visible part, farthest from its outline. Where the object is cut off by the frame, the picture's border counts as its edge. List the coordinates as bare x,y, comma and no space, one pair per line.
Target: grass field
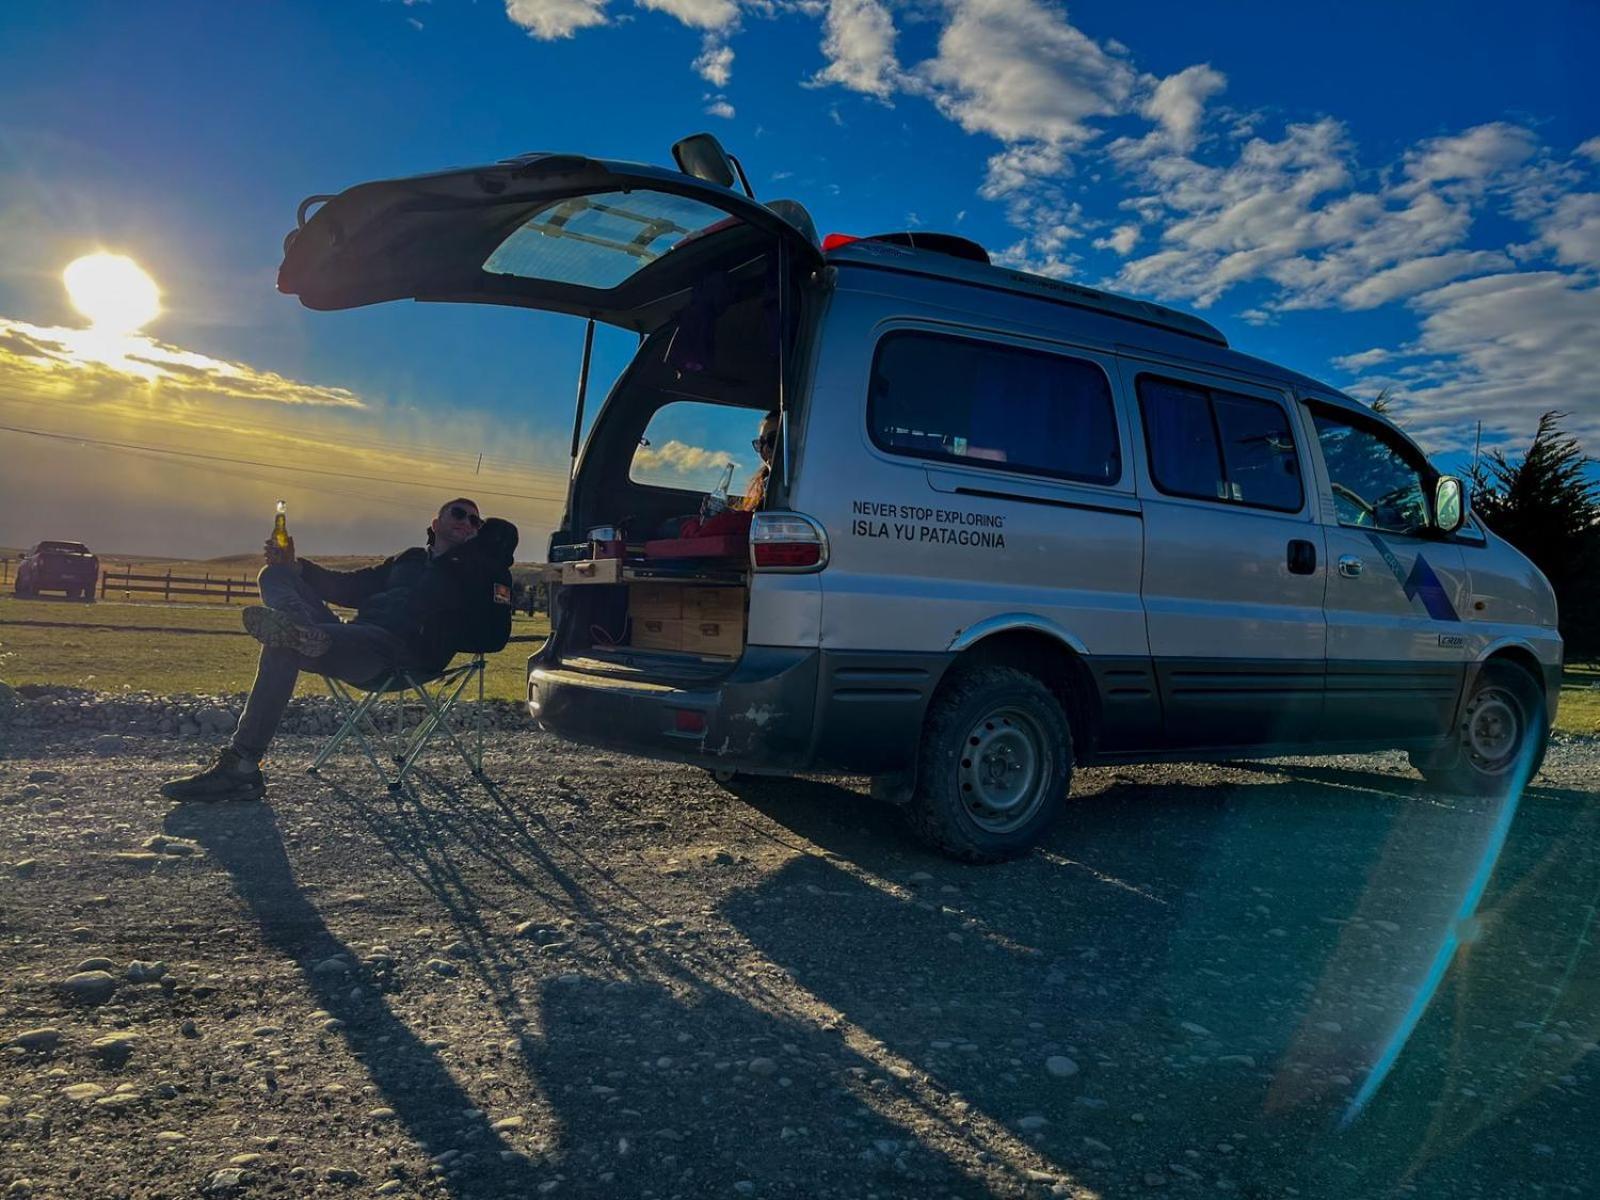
113,646
117,646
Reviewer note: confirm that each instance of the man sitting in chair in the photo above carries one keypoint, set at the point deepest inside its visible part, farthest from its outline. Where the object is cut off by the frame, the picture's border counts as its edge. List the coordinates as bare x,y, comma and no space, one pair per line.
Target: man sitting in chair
410,613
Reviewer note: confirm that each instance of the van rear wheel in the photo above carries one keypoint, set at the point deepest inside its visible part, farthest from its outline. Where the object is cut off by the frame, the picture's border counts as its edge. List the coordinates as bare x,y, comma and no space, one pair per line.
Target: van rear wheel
995,765
1502,727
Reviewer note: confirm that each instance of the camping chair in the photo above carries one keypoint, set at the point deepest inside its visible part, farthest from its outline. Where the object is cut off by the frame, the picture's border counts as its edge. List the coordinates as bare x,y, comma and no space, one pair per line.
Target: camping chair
438,695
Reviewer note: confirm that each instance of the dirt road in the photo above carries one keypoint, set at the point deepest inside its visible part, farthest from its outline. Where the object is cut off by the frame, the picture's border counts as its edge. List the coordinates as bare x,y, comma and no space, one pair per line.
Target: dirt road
602,977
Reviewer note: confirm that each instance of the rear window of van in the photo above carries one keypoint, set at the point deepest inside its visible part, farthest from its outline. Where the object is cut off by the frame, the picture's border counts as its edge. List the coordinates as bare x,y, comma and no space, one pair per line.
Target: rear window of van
984,404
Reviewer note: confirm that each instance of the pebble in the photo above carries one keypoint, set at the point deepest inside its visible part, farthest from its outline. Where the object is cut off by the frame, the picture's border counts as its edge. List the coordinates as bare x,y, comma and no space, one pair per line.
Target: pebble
39,1041
189,1029
1032,1123
1197,1030
25,868
440,966
171,1137
244,1160
97,964
229,1179
89,987
762,1066
114,1048
507,1124
83,1091
1060,1066
341,1175
145,972
1386,926
1236,1060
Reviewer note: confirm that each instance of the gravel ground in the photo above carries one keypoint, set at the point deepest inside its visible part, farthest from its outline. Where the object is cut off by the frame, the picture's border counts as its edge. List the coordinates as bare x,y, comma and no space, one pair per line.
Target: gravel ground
605,977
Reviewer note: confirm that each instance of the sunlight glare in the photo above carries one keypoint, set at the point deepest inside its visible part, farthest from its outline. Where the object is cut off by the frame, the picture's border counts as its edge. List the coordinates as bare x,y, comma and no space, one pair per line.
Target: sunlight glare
113,291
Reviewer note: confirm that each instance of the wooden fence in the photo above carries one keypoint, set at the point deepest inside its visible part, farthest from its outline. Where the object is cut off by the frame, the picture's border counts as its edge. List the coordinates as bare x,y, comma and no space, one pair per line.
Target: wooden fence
228,589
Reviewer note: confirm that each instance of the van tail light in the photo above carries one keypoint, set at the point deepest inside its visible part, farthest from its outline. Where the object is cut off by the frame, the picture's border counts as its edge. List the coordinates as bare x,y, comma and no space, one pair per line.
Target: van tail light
834,240
787,541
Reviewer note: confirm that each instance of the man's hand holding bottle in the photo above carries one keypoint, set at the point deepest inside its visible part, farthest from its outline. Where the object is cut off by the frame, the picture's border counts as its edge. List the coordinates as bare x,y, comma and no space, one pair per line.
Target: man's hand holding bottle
277,555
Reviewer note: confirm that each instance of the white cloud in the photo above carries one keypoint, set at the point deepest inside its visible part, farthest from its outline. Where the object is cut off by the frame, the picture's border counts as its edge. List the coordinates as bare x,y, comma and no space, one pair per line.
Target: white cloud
1366,358
1020,71
1419,274
680,458
859,46
715,62
1503,348
1288,212
1018,167
1572,229
1179,101
550,19
698,14
719,107
1474,157
1122,239
1589,149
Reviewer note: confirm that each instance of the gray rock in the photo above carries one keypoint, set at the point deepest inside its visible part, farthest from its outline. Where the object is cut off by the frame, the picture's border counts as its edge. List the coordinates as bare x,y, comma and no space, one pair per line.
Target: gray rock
89,987
1032,1123
440,966
146,972
111,745
25,868
11,704
1060,1066
39,1041
114,1049
229,1179
763,1066
97,964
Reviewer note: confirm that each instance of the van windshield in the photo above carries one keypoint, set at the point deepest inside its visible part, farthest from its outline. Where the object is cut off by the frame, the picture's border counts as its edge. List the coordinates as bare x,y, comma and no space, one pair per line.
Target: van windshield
601,240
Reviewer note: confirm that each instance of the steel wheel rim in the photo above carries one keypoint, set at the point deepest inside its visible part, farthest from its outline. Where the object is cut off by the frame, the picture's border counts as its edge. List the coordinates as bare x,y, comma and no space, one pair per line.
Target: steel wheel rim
1493,728
1001,774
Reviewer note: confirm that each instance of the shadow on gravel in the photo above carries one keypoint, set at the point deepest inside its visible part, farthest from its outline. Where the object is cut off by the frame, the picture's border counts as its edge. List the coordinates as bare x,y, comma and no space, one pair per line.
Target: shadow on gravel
655,1075
244,840
697,1093
1221,966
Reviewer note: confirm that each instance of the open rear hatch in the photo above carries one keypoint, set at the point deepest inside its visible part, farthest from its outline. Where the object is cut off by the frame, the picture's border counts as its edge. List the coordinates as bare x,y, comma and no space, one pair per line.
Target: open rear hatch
622,243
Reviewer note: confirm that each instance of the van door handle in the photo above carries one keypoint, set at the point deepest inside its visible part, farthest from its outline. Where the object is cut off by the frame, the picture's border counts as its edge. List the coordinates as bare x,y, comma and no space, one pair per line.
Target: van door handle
1302,557
1350,566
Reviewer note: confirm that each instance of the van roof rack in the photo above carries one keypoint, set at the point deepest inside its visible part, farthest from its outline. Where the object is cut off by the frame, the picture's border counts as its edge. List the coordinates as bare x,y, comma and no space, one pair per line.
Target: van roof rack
895,252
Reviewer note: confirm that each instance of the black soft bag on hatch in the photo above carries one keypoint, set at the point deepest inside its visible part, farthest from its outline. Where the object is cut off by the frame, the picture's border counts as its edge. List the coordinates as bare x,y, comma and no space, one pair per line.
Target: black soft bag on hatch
483,623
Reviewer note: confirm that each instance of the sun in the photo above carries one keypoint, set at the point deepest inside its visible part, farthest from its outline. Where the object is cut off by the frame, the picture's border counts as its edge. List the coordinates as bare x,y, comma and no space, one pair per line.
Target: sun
113,291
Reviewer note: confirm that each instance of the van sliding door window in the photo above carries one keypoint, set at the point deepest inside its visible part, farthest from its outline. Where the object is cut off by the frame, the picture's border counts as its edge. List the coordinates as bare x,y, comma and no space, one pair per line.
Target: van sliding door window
960,400
1214,445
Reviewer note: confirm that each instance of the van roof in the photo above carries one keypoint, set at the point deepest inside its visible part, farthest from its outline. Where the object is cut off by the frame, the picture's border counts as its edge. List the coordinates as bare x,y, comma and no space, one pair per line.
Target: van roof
891,257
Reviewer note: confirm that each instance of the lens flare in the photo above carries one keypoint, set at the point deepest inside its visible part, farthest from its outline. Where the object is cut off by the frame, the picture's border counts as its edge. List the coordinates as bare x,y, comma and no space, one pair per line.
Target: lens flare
113,291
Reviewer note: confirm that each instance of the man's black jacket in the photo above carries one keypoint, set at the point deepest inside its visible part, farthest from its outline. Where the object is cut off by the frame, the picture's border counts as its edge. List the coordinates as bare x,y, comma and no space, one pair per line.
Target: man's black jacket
435,604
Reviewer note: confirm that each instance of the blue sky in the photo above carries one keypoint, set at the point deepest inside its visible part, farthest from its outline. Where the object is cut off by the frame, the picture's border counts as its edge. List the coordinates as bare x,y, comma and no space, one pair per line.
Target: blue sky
1378,195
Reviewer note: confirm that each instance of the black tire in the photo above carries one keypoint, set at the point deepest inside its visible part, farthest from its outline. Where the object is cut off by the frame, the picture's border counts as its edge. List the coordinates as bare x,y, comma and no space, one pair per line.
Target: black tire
985,726
1505,709
24,591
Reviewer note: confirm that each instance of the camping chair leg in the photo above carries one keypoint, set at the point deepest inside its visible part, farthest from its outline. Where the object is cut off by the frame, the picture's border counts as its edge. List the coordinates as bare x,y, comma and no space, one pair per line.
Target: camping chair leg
357,714
438,717
477,717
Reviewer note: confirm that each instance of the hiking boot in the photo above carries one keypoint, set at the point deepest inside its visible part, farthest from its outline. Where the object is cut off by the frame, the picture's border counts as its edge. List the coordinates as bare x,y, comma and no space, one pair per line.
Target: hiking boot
231,777
280,631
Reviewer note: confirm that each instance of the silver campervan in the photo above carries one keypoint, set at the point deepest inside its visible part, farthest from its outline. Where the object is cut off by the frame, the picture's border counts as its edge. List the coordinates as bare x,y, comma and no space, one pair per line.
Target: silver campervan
1004,526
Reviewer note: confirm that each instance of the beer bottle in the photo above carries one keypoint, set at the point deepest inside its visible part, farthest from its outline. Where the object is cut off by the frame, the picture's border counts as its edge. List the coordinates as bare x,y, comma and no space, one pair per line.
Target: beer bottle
280,527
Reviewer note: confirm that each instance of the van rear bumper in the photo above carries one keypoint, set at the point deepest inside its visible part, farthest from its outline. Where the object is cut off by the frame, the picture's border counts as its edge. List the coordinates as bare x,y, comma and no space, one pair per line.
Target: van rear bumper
781,709
758,717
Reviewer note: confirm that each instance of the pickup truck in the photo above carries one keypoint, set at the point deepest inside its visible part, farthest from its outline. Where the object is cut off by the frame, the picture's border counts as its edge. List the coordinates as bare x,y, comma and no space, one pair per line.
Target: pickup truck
66,567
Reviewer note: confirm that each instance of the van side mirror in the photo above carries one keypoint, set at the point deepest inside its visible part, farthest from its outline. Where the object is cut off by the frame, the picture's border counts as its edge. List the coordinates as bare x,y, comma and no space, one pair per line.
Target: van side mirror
702,156
1449,504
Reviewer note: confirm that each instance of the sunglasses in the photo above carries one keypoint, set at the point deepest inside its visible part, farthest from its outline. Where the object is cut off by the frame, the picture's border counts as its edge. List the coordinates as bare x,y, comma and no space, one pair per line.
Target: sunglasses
466,514
764,443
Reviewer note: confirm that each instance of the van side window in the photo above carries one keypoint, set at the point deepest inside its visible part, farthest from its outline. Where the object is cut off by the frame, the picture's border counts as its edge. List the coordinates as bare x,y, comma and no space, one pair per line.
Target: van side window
961,400
1378,482
1215,445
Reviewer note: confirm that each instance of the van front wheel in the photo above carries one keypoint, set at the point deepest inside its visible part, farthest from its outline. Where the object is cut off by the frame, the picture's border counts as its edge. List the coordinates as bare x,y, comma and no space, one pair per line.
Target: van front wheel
995,765
1500,740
